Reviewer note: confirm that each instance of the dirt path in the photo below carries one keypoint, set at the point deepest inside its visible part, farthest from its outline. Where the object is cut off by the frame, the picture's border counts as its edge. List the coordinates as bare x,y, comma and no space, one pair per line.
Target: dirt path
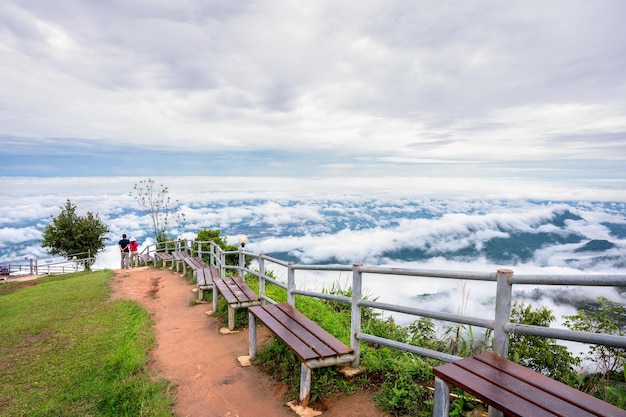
203,363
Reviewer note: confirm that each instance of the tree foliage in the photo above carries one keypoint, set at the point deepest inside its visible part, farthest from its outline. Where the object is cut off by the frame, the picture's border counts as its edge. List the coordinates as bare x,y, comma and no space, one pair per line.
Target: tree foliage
214,235
609,318
72,235
541,354
157,203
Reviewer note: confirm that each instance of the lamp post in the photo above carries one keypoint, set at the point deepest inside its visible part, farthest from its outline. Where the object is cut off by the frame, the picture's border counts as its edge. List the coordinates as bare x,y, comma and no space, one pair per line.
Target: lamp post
242,261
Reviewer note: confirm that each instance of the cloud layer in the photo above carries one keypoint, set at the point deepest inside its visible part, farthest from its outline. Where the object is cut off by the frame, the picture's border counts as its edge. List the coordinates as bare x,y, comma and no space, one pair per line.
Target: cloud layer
327,88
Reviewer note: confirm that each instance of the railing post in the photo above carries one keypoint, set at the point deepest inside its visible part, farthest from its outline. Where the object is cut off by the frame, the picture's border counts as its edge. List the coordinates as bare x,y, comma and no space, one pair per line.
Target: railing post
504,291
291,280
355,322
261,277
222,264
242,261
212,260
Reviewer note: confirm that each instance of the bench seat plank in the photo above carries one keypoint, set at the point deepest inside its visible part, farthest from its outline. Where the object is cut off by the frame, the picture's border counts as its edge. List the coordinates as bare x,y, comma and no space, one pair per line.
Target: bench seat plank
203,277
235,291
232,292
304,352
164,256
522,388
197,263
557,389
519,391
302,334
333,343
249,294
505,401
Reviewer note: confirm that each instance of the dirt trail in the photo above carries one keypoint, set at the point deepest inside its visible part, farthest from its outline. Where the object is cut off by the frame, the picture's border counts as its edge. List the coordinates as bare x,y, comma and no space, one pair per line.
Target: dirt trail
203,363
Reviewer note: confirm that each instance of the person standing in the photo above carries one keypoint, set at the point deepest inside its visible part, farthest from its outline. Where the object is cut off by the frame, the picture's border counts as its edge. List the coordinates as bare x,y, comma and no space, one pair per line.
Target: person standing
125,251
134,254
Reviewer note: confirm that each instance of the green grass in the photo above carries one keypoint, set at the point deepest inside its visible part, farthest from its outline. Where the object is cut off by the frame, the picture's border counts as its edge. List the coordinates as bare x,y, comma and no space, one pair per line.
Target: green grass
67,350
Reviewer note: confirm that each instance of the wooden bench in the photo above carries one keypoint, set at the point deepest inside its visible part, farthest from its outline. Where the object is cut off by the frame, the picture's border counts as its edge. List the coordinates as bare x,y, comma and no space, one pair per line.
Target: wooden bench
145,258
201,271
237,295
163,256
514,390
315,347
204,281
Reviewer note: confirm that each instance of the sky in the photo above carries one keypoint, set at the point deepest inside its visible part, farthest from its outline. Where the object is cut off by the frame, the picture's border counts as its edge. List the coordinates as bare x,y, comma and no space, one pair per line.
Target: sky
517,89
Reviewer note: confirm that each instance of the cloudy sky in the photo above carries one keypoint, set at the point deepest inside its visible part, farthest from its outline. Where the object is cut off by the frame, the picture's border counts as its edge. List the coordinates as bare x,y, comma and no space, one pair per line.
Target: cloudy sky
326,88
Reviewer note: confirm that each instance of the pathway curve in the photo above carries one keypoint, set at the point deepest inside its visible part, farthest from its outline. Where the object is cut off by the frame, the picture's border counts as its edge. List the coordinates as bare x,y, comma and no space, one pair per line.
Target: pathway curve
202,363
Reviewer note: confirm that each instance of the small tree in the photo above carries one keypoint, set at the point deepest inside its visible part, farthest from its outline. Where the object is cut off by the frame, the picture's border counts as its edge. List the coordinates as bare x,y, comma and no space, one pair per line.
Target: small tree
71,235
213,235
156,202
608,317
541,354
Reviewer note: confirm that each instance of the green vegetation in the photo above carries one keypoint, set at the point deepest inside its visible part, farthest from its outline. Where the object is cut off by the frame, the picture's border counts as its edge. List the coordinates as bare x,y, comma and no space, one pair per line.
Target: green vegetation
541,354
82,354
606,317
401,382
71,235
213,235
69,351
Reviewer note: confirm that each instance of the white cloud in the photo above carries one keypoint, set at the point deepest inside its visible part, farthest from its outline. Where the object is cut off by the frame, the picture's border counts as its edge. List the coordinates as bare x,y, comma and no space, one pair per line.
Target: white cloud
378,85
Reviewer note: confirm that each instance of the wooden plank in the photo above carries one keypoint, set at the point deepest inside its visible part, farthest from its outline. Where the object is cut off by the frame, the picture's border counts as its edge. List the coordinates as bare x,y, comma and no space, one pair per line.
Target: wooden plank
205,273
505,401
215,273
251,295
299,348
523,389
200,262
315,329
578,398
236,292
200,279
318,345
225,290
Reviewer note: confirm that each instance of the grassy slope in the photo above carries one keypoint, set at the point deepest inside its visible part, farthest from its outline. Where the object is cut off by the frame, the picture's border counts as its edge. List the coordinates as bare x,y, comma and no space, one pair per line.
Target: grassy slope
68,351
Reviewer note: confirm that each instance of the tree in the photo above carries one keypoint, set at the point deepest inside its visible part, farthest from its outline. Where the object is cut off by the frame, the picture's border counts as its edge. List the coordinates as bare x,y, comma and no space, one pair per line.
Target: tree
156,202
213,235
541,354
609,317
71,235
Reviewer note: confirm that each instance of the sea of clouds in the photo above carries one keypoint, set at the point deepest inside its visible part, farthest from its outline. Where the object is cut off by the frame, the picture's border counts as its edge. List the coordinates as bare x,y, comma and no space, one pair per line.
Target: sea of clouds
374,221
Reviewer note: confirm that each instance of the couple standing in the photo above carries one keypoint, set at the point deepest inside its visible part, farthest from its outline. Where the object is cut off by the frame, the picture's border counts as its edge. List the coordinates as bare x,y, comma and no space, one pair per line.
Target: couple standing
128,249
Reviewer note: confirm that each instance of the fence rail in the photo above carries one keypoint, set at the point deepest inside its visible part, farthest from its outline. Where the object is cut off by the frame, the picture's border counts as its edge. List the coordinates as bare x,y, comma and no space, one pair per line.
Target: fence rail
500,324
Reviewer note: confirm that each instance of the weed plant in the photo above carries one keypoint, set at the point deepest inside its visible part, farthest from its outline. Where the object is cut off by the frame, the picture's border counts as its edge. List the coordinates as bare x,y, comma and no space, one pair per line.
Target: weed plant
69,351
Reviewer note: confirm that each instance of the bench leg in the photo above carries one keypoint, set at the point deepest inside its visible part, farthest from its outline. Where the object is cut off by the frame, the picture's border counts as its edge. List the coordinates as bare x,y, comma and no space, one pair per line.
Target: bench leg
200,294
442,398
305,385
252,336
231,318
215,292
494,413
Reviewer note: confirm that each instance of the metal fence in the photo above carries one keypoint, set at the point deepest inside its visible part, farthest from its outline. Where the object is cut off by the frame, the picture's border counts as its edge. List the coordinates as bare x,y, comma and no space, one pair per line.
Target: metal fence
504,280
